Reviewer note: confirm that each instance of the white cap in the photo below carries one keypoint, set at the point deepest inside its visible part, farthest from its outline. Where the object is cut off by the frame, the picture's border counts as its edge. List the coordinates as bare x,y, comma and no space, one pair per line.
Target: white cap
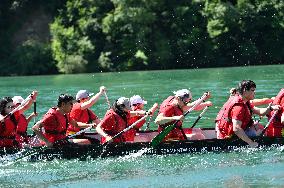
124,101
82,94
183,93
136,99
17,99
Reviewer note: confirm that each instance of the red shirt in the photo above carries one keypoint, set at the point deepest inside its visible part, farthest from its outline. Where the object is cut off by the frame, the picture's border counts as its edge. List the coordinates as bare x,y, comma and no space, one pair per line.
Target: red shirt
84,116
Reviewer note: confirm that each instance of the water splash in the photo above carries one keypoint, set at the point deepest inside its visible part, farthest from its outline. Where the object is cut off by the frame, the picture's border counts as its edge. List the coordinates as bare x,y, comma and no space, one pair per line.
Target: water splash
10,159
135,155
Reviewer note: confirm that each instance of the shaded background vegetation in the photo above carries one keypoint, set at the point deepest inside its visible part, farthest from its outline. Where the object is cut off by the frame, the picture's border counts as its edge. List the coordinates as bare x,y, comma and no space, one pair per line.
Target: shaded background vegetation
73,36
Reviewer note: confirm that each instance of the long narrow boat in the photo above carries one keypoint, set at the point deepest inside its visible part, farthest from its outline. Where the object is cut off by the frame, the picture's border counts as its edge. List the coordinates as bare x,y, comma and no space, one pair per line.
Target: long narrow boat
142,145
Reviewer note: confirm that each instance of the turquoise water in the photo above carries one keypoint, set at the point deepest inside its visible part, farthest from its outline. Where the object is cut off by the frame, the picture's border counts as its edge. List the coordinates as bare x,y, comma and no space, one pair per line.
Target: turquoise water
249,168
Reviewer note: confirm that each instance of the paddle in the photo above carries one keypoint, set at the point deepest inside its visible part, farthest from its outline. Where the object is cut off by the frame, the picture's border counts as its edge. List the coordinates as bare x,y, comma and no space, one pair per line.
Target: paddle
107,100
150,119
199,117
35,112
160,137
133,124
272,117
18,107
29,151
148,123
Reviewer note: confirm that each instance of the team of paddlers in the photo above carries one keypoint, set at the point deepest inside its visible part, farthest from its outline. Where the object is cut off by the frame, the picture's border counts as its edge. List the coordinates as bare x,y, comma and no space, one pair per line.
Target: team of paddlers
72,115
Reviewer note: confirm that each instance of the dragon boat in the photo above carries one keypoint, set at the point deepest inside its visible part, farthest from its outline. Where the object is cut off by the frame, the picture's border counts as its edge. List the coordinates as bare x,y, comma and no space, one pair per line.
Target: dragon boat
142,145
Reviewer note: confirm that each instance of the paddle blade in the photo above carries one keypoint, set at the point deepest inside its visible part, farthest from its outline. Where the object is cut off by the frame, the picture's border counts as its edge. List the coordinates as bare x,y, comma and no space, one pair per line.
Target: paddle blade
160,137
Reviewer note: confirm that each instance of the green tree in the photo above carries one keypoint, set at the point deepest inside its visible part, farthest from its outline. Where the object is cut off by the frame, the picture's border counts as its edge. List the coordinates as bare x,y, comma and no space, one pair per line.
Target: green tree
247,32
75,33
32,58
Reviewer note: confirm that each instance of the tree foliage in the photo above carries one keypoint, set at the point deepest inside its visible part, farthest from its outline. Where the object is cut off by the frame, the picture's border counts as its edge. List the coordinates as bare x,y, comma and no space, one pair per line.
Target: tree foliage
118,35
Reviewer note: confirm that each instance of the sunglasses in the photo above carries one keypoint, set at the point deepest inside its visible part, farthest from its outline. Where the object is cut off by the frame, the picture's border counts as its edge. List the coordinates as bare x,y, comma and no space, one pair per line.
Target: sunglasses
183,99
10,107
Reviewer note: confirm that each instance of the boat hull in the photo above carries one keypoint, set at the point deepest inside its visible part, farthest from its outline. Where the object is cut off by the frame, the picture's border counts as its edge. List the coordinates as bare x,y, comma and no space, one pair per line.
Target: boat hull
121,149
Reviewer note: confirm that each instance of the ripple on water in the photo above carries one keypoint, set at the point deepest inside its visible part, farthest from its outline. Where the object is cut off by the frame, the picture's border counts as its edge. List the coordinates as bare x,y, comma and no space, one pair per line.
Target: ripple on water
247,167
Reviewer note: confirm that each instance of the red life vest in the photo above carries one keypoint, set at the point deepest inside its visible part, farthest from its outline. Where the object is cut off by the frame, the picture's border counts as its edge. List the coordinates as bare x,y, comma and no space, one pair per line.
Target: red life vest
223,119
279,98
224,108
132,132
169,110
112,124
22,126
55,125
133,119
7,133
84,116
275,128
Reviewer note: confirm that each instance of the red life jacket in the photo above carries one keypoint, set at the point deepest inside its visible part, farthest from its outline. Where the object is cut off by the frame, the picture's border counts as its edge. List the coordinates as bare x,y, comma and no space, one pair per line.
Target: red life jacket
279,98
112,124
84,116
275,127
177,110
22,126
177,132
224,108
133,119
7,133
8,128
223,119
55,125
132,132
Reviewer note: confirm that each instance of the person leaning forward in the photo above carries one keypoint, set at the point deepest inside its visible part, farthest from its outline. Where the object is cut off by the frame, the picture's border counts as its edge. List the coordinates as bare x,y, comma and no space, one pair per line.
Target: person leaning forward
13,127
276,127
55,122
172,109
115,120
235,117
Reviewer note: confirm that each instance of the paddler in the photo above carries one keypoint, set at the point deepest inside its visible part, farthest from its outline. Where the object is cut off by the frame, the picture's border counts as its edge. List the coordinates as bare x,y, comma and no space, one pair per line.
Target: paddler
172,110
14,126
116,120
137,112
51,129
276,127
81,111
235,117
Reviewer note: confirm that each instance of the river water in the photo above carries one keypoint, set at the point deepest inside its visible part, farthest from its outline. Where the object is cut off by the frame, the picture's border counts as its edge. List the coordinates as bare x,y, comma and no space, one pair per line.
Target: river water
247,168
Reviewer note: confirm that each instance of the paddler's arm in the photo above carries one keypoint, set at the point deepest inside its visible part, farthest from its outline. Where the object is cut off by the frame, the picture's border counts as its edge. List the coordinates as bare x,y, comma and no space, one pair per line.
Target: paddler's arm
29,103
237,128
258,102
93,99
264,111
201,106
85,125
76,124
102,133
161,119
31,116
137,113
37,128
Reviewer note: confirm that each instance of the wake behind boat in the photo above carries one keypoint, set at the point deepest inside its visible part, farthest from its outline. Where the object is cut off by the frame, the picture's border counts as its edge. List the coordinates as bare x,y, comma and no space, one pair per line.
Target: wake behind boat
142,142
